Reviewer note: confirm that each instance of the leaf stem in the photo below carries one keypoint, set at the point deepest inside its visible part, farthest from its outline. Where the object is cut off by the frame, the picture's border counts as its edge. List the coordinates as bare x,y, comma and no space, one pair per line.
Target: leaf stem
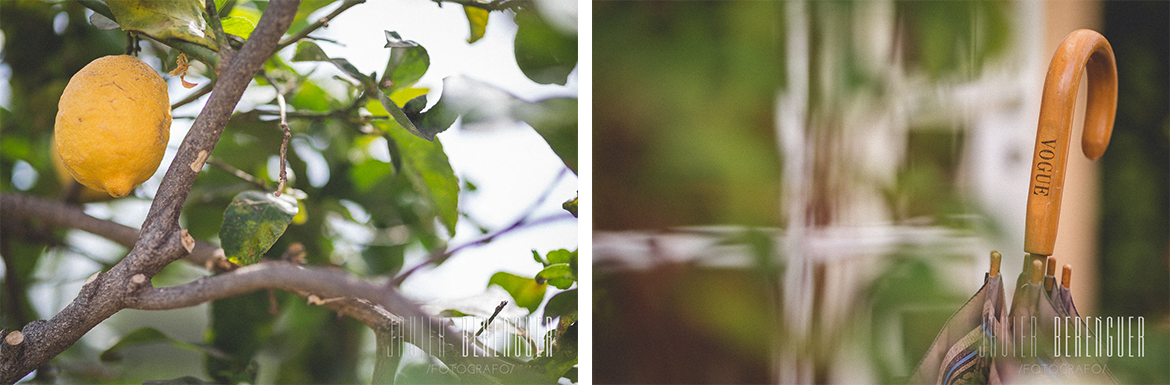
237,172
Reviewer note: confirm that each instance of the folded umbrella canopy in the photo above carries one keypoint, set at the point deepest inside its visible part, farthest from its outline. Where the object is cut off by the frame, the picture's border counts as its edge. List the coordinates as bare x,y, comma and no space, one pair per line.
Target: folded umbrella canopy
980,344
962,352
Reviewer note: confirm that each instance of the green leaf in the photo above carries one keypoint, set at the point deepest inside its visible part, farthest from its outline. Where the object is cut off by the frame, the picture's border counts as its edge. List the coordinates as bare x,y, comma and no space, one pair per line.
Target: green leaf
101,22
561,304
388,356
393,40
426,166
181,20
310,97
544,54
388,107
527,293
556,121
563,358
570,206
240,326
407,64
367,174
452,313
536,256
309,51
238,26
251,14
252,223
305,10
560,275
561,256
147,335
184,380
477,19
384,260
435,120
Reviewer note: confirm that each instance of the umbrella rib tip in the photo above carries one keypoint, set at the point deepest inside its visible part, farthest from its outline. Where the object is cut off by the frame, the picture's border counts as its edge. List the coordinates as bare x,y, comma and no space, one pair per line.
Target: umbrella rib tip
996,257
1037,271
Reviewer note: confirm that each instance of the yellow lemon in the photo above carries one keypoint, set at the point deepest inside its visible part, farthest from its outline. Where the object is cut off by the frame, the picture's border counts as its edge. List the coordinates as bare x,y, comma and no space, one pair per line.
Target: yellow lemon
113,123
86,194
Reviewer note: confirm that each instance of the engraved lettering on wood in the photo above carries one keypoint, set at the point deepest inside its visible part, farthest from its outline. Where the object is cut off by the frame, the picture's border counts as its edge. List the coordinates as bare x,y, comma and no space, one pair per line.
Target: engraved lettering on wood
1042,182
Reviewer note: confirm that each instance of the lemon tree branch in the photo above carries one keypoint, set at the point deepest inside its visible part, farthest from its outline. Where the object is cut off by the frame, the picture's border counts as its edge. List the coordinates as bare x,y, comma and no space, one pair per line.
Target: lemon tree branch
29,208
343,292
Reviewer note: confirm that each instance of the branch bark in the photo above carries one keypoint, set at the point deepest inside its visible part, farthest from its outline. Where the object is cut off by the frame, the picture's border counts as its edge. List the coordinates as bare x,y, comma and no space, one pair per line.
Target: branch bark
58,214
160,241
342,292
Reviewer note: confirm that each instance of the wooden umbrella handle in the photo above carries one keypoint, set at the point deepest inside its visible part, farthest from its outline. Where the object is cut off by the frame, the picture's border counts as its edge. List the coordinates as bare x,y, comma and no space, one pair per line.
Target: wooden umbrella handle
1081,50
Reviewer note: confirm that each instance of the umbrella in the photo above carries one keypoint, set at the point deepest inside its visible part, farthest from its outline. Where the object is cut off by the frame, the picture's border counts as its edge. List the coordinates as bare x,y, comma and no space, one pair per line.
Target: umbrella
963,350
979,344
1032,321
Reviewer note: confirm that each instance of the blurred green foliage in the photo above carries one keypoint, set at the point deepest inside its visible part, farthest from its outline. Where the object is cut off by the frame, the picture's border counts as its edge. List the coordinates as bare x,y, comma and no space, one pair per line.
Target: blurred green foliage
683,113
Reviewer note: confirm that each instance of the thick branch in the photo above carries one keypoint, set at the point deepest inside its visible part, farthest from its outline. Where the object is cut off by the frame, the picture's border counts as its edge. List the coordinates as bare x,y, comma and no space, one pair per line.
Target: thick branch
341,291
162,220
62,215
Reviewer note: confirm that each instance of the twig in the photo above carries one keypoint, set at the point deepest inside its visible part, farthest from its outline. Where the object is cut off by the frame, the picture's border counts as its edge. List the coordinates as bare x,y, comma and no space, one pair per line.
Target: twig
237,172
494,5
194,96
440,257
322,22
521,221
285,129
492,318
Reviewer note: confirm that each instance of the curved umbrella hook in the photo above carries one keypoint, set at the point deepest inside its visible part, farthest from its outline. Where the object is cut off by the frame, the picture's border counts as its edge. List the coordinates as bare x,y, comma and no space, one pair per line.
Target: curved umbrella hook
1081,50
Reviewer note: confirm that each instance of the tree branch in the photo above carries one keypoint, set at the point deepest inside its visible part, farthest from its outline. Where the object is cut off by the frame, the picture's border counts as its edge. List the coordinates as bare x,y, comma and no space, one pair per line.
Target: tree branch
362,300
68,216
494,5
160,241
194,96
324,21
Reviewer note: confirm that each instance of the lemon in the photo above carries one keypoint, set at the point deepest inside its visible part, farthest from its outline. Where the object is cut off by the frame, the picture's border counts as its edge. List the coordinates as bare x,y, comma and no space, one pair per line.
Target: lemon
113,123
63,176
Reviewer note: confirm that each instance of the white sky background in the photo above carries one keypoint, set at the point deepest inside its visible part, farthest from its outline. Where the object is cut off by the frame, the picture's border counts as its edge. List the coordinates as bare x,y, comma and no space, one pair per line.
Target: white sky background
511,166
